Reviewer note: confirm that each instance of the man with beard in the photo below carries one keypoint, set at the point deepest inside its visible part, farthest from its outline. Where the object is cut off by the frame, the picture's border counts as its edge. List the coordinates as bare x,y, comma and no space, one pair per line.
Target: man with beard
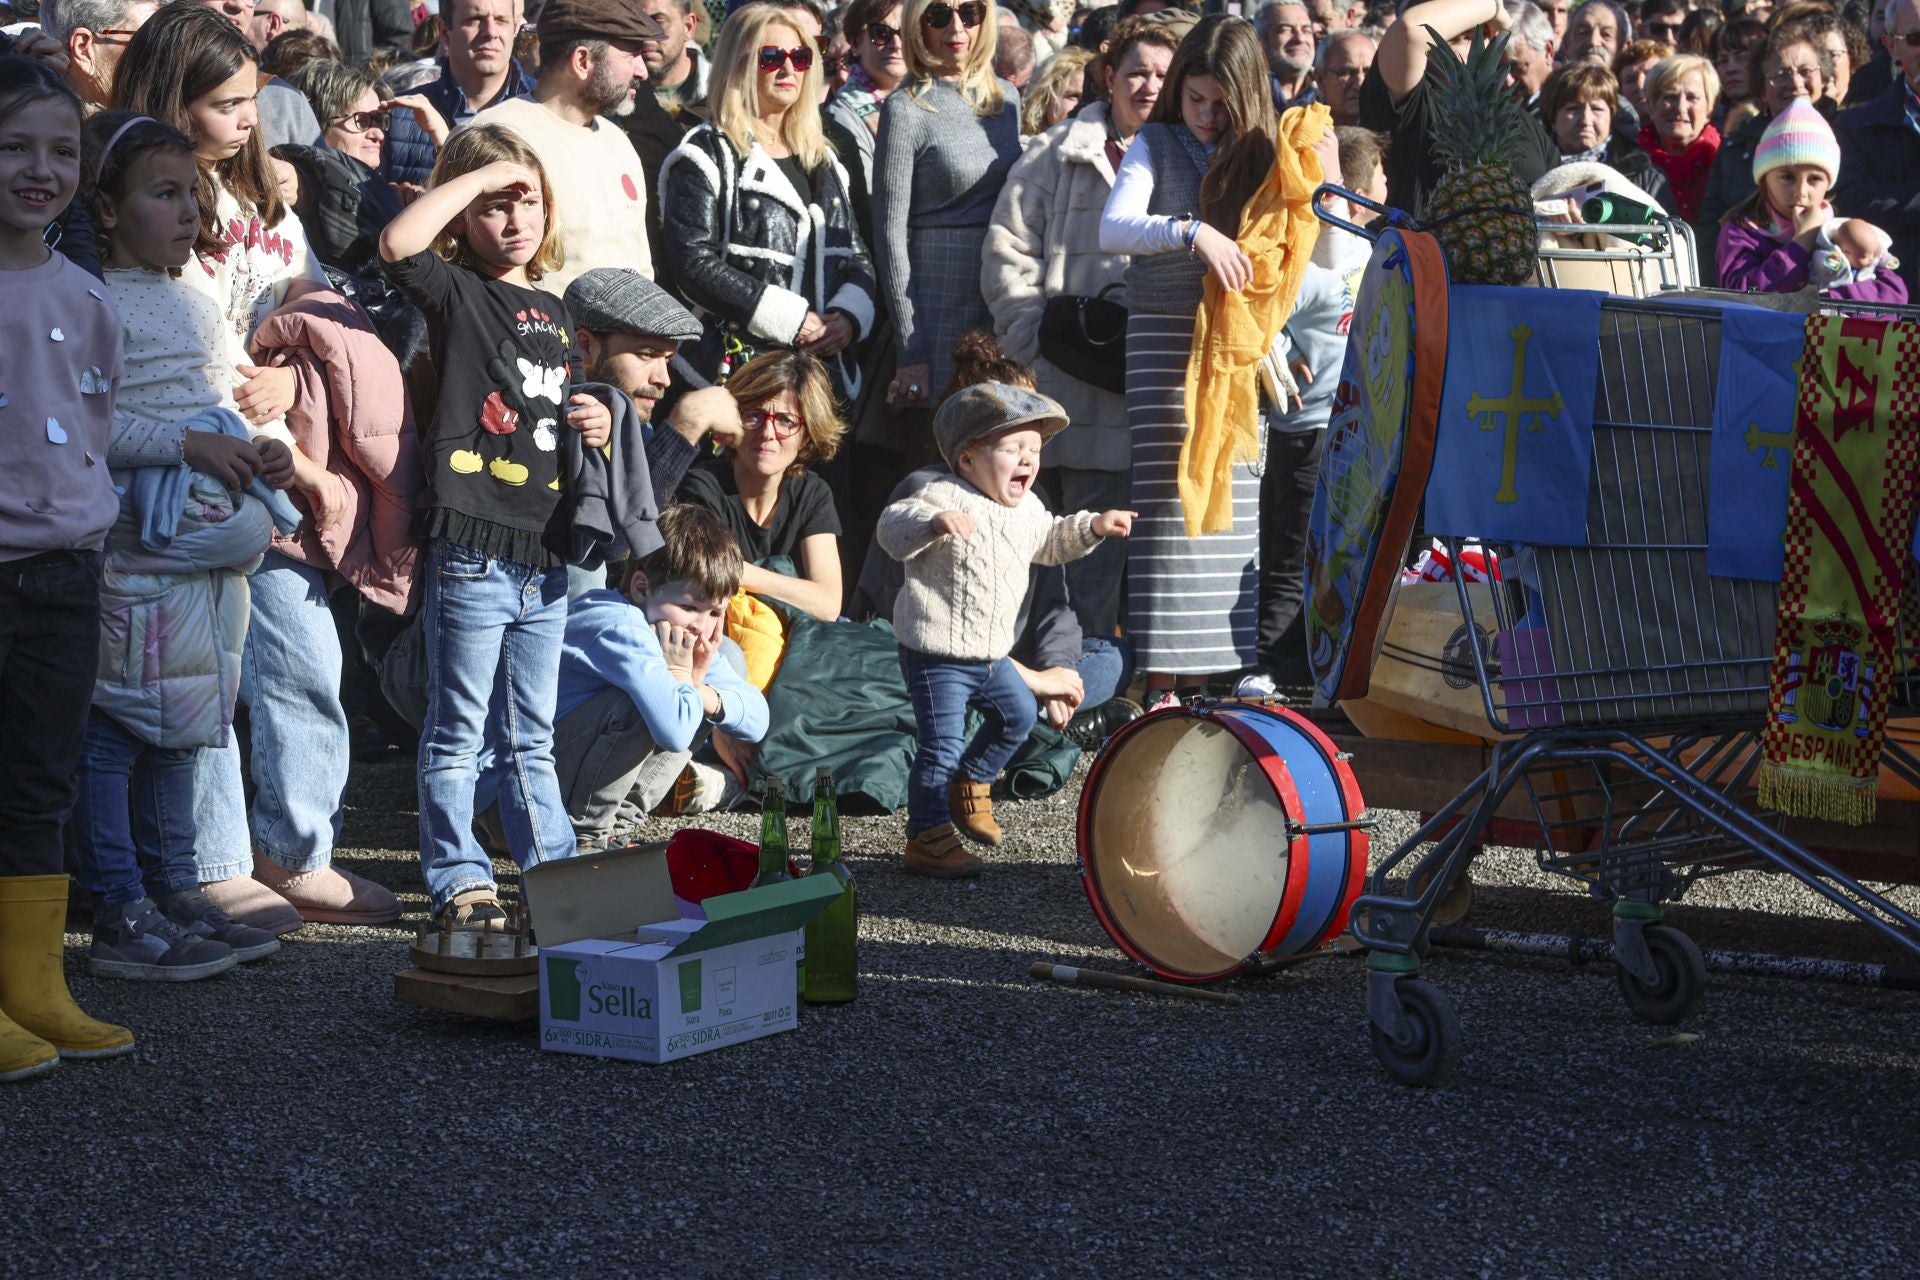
628,330
1286,34
590,64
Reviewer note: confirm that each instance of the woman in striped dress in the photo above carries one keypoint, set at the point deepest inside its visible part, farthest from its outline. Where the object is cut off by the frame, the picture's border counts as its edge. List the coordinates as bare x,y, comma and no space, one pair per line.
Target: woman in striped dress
947,139
1192,602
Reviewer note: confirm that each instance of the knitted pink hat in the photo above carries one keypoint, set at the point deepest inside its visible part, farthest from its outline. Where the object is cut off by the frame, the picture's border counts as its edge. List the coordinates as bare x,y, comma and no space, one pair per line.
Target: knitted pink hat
1798,135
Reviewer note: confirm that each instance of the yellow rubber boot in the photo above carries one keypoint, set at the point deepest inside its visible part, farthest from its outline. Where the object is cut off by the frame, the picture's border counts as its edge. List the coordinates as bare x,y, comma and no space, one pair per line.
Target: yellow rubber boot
33,981
23,1055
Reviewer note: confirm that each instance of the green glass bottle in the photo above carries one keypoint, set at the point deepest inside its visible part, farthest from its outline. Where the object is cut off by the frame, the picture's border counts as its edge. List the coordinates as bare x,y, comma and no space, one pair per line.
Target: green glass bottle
773,835
832,961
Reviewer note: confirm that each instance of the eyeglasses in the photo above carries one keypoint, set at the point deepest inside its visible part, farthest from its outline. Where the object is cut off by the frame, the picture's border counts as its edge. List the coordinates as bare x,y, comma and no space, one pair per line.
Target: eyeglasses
882,34
1663,30
121,34
781,426
1787,77
773,56
1911,38
939,15
361,121
830,65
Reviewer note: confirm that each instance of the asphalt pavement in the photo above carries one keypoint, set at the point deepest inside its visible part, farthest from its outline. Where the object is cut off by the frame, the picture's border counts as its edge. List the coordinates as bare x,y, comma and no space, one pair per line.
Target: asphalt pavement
960,1119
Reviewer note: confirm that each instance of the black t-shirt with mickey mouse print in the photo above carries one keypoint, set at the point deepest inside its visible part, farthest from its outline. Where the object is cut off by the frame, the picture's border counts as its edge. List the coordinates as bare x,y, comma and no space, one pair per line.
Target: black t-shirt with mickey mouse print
492,451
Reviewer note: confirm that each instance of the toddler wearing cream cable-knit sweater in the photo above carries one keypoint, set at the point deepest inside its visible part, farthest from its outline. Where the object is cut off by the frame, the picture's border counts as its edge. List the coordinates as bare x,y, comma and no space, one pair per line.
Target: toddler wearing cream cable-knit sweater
967,544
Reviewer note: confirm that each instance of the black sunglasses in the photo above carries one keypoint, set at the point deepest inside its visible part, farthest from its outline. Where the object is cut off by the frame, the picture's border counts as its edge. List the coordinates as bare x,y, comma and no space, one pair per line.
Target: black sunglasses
1911,39
939,16
882,34
773,56
361,121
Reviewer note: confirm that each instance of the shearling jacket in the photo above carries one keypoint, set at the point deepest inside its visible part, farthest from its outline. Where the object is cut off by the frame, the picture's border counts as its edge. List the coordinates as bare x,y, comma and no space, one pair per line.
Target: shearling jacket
173,619
753,256
1044,242
350,414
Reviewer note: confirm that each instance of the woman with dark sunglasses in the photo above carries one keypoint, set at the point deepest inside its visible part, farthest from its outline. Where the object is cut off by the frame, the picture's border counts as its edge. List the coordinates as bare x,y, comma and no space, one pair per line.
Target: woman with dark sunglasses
756,207
946,143
853,113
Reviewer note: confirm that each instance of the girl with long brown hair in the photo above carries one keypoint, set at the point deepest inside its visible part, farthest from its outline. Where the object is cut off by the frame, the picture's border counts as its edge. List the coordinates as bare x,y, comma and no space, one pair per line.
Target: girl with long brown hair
1175,207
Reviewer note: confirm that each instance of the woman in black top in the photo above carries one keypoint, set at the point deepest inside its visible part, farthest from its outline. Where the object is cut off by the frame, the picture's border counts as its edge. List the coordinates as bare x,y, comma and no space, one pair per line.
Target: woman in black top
763,491
756,206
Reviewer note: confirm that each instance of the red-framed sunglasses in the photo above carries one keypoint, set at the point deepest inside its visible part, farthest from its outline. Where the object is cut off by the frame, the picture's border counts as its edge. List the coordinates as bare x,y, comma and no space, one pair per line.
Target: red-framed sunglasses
940,16
772,57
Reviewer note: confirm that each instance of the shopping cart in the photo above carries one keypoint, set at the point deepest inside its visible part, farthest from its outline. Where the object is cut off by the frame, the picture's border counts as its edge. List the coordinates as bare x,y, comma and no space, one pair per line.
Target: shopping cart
1631,259
1628,689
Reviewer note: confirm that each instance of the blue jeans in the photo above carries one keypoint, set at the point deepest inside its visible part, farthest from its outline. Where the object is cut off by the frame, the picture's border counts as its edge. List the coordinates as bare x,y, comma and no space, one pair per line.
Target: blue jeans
133,824
290,683
493,630
1105,667
942,689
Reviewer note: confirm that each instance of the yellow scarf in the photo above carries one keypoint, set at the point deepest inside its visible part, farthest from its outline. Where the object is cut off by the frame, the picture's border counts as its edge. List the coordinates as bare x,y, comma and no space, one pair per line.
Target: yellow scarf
1234,330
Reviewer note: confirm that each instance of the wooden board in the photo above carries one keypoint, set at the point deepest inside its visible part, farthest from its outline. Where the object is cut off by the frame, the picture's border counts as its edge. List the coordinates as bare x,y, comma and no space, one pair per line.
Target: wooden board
510,999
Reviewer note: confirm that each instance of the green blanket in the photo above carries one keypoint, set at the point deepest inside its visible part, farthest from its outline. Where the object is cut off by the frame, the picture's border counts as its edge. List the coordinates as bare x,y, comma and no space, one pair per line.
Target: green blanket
839,700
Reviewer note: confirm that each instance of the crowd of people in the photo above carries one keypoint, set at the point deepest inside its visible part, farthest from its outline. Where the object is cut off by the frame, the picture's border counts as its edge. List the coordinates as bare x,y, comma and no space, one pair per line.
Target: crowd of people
497,382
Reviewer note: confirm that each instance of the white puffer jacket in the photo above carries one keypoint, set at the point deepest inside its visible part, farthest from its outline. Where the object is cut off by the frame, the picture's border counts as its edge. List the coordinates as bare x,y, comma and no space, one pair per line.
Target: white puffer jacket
173,621
1044,242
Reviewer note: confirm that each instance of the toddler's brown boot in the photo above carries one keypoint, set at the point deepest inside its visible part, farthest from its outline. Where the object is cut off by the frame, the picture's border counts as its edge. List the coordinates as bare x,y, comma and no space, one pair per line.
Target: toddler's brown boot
970,805
937,852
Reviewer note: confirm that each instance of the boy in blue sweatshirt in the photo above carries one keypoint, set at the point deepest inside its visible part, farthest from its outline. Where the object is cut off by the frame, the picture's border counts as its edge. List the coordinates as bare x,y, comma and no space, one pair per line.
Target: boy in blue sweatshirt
643,679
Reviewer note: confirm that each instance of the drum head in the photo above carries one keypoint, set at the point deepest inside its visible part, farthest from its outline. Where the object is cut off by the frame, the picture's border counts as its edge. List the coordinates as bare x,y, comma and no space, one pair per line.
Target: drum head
1186,847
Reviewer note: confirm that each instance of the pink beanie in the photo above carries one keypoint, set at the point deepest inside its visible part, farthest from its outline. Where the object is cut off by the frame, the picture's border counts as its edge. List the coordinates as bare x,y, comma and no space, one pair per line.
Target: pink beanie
1798,135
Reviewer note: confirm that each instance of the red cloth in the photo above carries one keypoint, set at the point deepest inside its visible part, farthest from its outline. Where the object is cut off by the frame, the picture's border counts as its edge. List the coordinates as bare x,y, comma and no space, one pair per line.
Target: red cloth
1686,170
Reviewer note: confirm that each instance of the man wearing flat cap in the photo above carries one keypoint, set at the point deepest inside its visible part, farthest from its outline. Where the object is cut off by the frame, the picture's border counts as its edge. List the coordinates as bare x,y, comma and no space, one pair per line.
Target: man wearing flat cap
628,330
589,65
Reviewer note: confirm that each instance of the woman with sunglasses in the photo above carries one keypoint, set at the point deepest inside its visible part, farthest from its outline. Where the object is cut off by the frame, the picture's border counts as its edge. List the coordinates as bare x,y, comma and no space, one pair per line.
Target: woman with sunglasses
946,143
756,207
771,503
853,113
344,200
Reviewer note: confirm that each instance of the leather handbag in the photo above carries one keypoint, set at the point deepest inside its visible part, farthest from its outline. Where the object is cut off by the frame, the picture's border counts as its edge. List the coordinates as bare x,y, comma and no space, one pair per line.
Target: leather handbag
1086,338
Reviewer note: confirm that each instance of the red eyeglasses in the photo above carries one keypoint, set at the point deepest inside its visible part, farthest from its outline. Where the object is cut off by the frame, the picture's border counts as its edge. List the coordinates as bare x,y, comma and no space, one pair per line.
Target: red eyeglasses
940,16
772,57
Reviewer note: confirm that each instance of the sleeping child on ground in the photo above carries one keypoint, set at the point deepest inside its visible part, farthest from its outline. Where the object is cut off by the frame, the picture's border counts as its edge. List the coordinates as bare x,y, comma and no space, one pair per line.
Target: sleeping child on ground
967,543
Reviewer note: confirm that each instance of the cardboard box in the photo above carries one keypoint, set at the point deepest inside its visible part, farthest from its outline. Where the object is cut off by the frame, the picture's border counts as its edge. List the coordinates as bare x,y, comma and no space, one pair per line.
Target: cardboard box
628,972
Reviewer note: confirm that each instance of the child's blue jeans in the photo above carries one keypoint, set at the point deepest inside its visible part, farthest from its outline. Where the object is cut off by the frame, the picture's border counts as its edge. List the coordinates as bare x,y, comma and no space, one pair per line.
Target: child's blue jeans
133,823
942,689
493,630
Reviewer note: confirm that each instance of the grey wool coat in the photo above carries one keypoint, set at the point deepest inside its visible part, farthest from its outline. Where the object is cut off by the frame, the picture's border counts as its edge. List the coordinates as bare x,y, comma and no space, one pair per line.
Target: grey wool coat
1044,242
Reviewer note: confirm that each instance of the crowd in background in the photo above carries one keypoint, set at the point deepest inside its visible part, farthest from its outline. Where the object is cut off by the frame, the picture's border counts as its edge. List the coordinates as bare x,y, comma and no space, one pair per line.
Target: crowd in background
499,373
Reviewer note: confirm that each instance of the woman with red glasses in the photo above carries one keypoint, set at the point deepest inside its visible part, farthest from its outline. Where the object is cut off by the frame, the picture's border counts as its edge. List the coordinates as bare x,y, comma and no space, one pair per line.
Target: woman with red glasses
946,143
756,208
773,505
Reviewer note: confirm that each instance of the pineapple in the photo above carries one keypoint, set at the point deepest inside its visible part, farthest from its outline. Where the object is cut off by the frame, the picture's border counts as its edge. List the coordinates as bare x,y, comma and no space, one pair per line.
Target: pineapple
1481,212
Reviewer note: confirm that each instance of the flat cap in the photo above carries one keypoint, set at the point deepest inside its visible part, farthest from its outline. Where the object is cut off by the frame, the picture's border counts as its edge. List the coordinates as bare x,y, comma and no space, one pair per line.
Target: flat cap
596,20
616,300
988,408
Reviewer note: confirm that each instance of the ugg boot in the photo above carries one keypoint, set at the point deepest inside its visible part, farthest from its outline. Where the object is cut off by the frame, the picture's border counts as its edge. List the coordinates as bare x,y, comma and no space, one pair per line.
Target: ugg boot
970,805
33,981
937,852
23,1055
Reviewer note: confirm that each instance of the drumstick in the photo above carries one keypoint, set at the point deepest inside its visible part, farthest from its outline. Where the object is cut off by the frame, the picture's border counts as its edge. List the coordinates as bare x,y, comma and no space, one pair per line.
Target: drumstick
1127,982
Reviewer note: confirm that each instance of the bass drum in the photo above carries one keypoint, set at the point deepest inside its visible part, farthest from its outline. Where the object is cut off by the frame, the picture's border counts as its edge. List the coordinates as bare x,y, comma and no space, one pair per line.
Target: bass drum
1213,839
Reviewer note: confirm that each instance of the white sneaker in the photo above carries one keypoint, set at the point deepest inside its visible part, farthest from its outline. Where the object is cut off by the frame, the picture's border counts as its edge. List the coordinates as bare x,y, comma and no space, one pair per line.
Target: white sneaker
714,790
1257,685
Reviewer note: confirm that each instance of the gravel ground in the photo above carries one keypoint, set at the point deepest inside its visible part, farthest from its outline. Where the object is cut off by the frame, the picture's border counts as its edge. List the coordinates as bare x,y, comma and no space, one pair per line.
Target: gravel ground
959,1119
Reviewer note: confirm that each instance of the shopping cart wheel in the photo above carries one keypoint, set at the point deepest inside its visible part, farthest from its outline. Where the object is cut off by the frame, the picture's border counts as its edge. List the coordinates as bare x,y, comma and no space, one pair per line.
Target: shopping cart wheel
1682,980
1429,1044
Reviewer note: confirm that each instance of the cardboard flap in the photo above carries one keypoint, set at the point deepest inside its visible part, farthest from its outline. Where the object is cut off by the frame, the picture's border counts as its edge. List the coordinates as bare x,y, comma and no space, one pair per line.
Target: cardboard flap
599,896
757,913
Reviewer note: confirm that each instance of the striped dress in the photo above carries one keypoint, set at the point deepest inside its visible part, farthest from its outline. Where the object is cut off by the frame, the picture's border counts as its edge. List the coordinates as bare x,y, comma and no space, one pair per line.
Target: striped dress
1192,603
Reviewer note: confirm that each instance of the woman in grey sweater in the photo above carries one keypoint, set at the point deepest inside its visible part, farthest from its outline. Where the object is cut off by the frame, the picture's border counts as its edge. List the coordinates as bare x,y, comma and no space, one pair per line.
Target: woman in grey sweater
946,142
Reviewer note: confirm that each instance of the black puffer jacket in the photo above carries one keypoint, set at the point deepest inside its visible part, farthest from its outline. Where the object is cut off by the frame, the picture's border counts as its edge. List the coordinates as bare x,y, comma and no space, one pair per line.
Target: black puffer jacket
362,25
753,256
